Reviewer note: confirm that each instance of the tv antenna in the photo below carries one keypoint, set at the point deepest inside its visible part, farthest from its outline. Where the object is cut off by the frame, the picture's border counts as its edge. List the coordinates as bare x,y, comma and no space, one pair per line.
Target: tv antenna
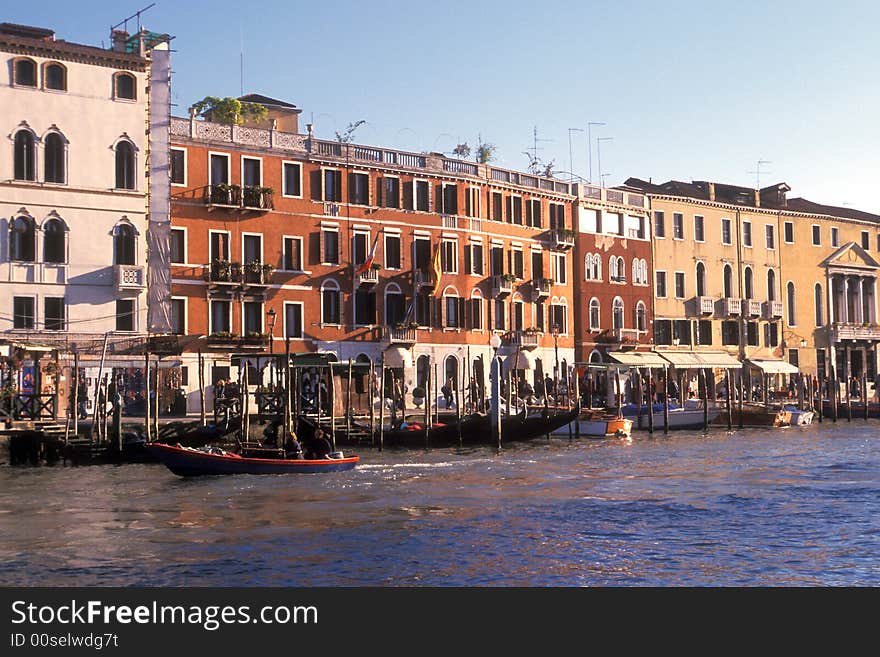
532,153
136,15
758,172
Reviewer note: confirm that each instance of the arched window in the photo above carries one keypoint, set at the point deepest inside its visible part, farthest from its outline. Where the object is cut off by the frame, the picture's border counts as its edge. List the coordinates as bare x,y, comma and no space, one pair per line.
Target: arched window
701,279
643,270
617,313
126,87
728,281
641,317
124,245
395,305
125,165
636,277
612,268
621,270
25,72
55,77
423,371
54,169
25,156
594,314
771,285
22,239
792,314
331,309
748,283
820,316
450,369
53,241
588,267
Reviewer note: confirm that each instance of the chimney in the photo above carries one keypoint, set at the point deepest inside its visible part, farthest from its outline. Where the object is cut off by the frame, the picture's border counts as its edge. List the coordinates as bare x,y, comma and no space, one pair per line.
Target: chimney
757,198
711,191
119,37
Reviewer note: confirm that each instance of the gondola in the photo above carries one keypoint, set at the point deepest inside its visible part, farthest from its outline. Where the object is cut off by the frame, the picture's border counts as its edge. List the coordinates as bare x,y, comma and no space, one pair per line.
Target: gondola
476,429
192,462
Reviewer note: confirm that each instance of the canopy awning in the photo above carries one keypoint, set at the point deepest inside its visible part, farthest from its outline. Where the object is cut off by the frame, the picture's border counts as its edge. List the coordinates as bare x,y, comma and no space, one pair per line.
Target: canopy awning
773,366
521,360
685,360
637,358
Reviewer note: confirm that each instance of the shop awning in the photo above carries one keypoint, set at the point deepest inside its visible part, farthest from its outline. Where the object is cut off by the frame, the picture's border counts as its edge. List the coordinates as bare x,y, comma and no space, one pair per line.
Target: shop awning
521,360
685,360
637,358
773,366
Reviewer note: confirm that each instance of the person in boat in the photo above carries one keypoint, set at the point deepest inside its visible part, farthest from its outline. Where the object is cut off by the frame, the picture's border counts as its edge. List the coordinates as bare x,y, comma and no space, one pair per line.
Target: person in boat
319,447
270,433
292,447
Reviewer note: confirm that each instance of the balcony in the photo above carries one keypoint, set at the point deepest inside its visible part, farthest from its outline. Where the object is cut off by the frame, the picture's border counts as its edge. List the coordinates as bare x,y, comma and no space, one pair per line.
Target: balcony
423,278
236,197
367,278
225,276
256,198
541,288
502,285
561,239
129,278
751,308
523,339
731,307
841,331
702,306
400,335
772,309
256,273
626,337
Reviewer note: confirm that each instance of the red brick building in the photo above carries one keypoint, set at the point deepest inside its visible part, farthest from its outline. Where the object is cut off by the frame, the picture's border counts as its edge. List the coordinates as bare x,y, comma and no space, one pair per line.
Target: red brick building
364,251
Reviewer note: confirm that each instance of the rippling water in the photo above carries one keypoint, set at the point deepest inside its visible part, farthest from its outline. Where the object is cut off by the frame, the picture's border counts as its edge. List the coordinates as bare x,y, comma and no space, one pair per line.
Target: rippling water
790,507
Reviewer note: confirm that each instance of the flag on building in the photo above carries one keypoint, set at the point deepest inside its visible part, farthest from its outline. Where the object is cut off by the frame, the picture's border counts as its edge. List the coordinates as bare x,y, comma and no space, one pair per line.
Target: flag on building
368,262
438,269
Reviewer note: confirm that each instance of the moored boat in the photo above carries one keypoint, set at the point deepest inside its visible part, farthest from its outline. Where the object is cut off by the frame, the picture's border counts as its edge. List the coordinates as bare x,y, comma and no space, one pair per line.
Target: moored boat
799,416
597,425
192,462
687,417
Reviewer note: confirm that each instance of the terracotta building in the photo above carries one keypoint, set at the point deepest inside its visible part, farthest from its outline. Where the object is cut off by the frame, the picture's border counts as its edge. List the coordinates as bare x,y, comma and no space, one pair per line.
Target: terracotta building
365,252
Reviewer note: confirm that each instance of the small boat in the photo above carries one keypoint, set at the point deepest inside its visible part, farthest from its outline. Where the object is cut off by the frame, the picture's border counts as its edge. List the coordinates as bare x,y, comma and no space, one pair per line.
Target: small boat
688,417
799,416
192,462
597,425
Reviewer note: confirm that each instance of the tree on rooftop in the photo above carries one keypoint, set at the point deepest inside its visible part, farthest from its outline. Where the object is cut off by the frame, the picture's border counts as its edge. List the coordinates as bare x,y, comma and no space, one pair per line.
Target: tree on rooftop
346,136
485,152
229,110
462,151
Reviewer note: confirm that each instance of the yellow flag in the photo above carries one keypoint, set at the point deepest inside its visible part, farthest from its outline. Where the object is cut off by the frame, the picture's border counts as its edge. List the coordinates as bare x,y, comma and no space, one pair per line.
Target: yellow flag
438,269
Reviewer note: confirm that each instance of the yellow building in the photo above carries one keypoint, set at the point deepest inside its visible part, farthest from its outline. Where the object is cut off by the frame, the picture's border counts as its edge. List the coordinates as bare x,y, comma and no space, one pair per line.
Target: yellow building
830,267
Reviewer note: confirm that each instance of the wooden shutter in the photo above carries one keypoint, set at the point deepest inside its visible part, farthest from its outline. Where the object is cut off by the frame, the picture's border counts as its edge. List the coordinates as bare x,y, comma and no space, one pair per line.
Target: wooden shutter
316,185
408,193
380,181
467,258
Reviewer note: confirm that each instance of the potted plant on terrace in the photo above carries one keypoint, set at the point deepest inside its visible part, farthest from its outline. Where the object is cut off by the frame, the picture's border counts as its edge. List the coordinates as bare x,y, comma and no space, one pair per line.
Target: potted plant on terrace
418,395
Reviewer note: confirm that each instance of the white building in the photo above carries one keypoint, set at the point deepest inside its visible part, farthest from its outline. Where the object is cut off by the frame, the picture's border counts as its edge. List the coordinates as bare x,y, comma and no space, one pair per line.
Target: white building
73,184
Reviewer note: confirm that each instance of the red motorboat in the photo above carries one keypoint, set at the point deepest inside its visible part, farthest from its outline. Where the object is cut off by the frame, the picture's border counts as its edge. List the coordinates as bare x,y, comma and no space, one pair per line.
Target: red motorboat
193,462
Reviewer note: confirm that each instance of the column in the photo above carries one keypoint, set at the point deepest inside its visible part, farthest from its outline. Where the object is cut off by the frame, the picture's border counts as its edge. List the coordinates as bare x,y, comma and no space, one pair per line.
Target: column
844,315
829,292
860,314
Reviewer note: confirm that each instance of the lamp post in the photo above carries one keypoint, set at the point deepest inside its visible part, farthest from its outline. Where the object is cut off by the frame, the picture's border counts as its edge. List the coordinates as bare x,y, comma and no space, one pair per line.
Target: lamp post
554,330
590,145
495,382
599,155
271,315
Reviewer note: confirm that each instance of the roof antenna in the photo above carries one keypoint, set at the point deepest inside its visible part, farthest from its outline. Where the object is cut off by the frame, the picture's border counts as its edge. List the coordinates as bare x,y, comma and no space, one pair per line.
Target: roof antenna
241,61
758,172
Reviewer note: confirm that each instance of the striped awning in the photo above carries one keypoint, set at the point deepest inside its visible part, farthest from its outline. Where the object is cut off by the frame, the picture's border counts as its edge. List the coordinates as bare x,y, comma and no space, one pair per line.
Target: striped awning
684,360
773,366
644,359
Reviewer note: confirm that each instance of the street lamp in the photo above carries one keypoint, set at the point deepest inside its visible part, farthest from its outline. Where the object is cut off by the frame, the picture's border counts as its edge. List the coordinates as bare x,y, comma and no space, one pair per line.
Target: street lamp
599,154
271,315
554,330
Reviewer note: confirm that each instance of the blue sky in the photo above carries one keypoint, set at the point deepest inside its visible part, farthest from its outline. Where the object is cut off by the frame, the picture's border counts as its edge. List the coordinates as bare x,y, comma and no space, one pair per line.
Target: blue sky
687,90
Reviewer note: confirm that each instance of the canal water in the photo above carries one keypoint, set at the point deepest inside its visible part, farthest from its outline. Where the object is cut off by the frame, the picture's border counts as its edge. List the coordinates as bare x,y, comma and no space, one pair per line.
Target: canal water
790,507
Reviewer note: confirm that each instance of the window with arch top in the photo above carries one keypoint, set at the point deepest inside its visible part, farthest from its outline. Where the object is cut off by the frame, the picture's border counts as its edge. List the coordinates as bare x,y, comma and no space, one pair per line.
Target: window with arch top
22,239
25,72
125,165
25,158
617,313
55,77
54,247
124,245
125,86
54,165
